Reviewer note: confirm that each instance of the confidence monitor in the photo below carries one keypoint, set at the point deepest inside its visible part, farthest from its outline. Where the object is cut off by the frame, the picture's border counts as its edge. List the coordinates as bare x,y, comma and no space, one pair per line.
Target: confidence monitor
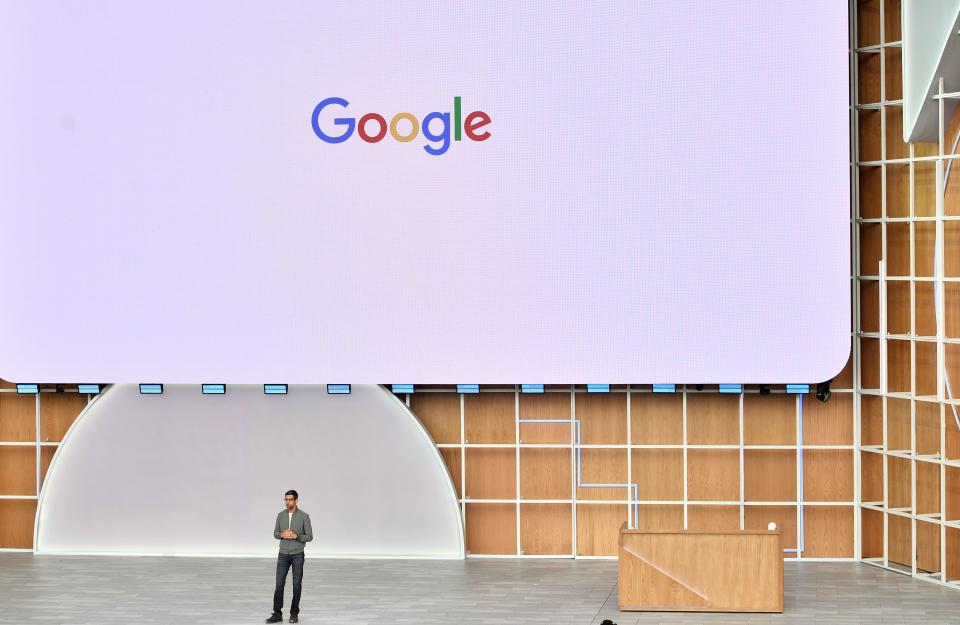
446,191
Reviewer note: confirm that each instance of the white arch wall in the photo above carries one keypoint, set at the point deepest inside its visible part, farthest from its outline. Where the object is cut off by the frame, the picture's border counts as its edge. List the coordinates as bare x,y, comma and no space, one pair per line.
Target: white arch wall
191,474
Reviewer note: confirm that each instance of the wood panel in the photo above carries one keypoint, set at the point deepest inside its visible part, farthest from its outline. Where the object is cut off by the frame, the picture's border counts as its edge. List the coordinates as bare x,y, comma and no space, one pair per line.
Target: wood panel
16,523
898,424
898,366
898,306
770,419
713,419
491,473
871,420
546,529
758,517
891,22
899,483
713,475
46,457
18,418
703,572
828,532
829,422
952,513
491,528
951,249
439,413
896,147
769,475
713,518
928,547
603,466
598,527
927,420
871,477
898,205
451,457
545,473
545,406
868,78
871,248
828,475
869,363
18,470
925,368
870,137
603,418
951,305
58,411
653,518
868,23
658,474
953,554
927,488
656,418
871,533
924,234
899,539
844,379
925,188
490,418
869,305
898,249
924,312
871,191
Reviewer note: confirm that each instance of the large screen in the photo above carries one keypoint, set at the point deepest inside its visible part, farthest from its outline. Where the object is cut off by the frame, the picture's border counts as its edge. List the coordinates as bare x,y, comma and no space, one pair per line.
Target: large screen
562,191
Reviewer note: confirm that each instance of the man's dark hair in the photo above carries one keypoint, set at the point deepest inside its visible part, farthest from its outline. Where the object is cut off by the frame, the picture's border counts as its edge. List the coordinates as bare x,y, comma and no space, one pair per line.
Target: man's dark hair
292,493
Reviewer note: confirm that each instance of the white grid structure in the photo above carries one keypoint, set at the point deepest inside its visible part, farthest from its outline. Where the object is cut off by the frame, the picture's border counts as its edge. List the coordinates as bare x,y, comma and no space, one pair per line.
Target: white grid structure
893,219
741,447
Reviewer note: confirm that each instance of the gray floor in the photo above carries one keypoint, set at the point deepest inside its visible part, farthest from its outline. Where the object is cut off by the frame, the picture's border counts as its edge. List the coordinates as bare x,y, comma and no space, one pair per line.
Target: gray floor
104,590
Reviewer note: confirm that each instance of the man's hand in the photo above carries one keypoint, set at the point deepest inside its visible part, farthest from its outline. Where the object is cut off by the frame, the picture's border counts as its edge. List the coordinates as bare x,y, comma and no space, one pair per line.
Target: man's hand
288,534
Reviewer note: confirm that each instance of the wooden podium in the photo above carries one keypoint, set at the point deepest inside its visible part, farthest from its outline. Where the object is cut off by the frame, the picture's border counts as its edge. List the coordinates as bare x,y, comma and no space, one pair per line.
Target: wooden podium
700,571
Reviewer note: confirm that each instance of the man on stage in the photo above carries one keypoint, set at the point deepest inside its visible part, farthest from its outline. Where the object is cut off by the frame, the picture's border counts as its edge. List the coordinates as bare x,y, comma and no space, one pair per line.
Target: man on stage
292,539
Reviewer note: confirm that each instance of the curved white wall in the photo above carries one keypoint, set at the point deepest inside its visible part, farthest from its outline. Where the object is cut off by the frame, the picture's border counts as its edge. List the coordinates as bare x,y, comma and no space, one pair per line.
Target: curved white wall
186,473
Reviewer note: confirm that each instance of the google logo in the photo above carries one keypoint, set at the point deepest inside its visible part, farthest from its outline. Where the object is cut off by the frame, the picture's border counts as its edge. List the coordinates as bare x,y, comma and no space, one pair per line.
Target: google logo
373,127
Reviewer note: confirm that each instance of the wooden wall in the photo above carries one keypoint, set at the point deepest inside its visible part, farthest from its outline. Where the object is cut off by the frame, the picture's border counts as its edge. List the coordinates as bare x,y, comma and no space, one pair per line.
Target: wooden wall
910,443
25,455
685,451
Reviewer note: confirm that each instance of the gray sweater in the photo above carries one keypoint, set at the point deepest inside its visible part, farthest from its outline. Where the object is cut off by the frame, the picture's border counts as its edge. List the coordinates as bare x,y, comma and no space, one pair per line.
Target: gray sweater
300,524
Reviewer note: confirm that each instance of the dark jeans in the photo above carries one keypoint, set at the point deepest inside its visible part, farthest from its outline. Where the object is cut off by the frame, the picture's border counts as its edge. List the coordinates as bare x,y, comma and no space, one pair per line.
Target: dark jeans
284,562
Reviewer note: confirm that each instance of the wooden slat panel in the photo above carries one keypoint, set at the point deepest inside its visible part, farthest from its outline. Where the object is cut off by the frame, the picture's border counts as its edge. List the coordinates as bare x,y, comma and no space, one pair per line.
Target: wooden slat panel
830,422
603,418
870,138
844,379
928,547
828,532
18,470
924,236
869,305
439,413
868,23
545,473
896,147
871,248
927,488
898,367
899,486
871,420
490,418
770,419
898,306
871,189
491,528
657,419
658,474
713,419
871,477
546,529
898,424
898,250
899,540
891,22
604,466
713,518
545,406
16,523
660,518
869,363
769,475
871,533
952,486
18,417
451,457
828,475
713,475
868,78
491,473
598,527
925,369
58,411
757,518
953,554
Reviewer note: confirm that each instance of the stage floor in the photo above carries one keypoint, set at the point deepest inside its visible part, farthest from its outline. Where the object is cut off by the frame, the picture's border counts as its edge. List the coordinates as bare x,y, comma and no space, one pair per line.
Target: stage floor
105,590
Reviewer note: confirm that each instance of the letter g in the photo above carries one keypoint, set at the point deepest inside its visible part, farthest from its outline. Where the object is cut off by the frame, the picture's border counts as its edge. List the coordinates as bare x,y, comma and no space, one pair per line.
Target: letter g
349,122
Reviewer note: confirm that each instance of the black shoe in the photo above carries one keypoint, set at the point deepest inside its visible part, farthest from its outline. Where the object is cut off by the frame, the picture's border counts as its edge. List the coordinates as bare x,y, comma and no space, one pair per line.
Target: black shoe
275,618
294,619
